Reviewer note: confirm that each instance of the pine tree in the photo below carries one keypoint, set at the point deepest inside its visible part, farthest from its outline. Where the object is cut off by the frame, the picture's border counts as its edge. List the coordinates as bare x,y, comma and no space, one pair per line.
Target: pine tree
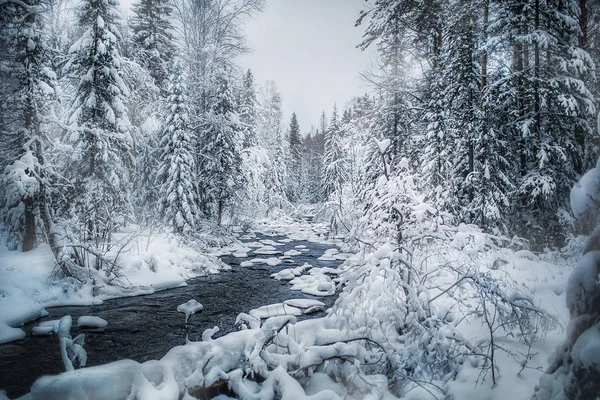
220,169
178,200
462,98
26,183
99,123
546,107
294,159
294,137
269,134
335,163
436,142
248,104
153,39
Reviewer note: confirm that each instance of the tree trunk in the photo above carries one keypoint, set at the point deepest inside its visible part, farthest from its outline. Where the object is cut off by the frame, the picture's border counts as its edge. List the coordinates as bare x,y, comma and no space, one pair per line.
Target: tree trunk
29,237
220,212
580,139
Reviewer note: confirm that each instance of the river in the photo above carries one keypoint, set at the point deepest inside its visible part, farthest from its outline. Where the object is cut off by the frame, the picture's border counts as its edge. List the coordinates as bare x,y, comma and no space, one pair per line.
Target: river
146,327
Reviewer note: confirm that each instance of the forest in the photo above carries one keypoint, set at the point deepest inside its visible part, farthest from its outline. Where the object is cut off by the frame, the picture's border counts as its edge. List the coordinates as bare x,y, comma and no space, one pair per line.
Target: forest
459,197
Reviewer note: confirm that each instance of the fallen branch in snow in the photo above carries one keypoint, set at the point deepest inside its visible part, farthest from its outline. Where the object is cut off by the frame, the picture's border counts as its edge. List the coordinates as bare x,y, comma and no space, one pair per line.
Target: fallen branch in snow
93,251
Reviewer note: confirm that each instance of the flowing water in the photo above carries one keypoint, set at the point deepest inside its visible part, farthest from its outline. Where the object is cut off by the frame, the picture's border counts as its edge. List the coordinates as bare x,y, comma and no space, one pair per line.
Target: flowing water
145,327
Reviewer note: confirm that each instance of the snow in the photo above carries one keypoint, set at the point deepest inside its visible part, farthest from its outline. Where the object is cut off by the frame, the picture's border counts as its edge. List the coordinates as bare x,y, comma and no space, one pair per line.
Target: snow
46,328
271,243
10,334
274,310
583,283
304,303
316,284
272,344
267,250
271,261
284,275
585,195
91,322
586,350
150,262
383,145
189,308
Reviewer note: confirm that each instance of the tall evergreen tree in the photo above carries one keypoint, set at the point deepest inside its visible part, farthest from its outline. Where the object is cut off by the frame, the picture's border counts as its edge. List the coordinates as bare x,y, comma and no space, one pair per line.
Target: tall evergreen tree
153,37
220,170
26,180
294,159
335,162
546,107
248,104
294,137
269,133
178,200
98,122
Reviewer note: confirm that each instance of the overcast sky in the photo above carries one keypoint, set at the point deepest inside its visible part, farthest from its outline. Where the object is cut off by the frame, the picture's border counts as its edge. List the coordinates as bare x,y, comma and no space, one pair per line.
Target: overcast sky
308,47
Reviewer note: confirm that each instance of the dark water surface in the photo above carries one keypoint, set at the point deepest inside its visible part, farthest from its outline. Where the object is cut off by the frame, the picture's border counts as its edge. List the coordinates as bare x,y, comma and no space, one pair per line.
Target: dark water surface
146,327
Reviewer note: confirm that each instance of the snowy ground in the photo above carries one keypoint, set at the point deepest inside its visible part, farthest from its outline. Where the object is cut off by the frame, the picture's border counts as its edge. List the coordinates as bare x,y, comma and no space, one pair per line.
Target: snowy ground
292,356
150,263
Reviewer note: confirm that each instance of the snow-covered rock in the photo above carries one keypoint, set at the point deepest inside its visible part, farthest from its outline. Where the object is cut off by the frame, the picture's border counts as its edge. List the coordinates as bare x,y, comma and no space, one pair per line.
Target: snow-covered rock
274,310
91,322
190,308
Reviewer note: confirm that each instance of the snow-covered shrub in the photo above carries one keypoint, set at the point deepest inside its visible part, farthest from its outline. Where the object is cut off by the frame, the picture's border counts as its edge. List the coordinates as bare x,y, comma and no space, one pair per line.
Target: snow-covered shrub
398,208
574,372
503,309
385,296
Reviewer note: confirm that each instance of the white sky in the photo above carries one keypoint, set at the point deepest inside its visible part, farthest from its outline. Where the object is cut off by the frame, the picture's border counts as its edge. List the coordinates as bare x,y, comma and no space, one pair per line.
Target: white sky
308,47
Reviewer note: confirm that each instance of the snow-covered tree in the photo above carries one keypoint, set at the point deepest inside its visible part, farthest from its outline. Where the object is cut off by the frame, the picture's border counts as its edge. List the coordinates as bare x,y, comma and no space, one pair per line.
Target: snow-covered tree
574,372
26,181
335,162
248,110
98,122
178,197
546,106
294,155
153,37
294,137
436,145
220,167
270,136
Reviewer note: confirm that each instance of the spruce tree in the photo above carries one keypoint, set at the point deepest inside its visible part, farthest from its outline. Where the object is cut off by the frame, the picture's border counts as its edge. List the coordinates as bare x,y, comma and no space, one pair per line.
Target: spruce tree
26,182
546,108
248,104
294,137
335,163
269,133
220,169
99,123
294,155
153,37
177,195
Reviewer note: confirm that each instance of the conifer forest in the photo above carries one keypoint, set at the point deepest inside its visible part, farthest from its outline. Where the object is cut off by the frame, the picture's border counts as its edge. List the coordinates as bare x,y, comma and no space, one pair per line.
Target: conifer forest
172,227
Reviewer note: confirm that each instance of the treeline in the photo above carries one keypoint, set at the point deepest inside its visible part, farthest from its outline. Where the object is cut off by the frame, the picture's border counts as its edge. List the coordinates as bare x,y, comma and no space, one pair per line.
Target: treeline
145,120
488,108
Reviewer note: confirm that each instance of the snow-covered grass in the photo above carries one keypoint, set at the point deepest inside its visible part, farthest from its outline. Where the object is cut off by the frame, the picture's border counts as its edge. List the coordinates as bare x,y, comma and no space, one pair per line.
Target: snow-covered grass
147,263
